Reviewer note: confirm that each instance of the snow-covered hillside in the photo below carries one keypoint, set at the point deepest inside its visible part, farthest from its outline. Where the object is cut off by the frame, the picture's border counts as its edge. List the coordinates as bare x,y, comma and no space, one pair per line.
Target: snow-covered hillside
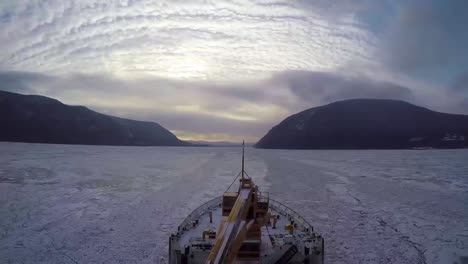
90,204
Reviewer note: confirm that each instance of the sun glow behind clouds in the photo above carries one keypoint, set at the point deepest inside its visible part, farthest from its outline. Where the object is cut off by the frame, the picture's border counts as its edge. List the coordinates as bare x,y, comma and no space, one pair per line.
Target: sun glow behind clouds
229,42
178,40
188,67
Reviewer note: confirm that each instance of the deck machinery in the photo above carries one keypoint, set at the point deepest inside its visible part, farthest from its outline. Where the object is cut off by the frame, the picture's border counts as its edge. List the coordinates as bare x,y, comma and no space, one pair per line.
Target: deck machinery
245,227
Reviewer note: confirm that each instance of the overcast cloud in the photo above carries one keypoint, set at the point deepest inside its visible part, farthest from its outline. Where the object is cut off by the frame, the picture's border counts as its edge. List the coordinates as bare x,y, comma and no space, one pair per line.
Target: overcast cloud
232,69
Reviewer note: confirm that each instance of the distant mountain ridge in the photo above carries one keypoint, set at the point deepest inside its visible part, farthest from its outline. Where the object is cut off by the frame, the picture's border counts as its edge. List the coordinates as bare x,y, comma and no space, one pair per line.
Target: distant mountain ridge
368,124
205,143
40,119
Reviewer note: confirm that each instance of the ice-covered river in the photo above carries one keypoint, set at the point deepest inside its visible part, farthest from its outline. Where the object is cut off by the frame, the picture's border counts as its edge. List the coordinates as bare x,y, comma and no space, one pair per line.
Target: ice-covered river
90,204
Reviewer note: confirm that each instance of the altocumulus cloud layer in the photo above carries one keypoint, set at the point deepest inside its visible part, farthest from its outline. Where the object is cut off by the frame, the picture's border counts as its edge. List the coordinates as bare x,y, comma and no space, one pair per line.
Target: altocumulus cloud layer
231,69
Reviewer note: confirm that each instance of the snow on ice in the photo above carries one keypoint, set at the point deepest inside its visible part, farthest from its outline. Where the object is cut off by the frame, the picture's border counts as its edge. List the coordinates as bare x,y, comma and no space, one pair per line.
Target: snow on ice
91,204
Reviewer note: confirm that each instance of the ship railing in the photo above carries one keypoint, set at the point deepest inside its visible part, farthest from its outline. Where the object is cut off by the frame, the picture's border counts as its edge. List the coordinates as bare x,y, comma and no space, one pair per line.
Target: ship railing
288,212
277,206
195,214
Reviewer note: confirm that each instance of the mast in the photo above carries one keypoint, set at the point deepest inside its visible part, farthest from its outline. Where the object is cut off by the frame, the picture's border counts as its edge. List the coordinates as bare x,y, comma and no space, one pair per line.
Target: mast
242,159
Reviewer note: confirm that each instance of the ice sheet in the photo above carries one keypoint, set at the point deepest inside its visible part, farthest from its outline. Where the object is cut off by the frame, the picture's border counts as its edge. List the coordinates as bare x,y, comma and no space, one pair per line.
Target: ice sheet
91,204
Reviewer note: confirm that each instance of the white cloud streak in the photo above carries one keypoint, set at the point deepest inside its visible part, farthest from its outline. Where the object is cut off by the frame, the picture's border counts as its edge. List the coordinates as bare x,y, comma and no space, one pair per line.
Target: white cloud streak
177,39
217,69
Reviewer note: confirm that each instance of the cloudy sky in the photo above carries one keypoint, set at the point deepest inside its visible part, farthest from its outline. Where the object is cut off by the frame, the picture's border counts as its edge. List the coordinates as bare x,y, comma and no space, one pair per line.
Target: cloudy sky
231,69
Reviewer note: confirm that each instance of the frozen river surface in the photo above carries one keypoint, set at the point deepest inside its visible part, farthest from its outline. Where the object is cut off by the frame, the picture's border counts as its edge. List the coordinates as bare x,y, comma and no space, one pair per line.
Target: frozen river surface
88,204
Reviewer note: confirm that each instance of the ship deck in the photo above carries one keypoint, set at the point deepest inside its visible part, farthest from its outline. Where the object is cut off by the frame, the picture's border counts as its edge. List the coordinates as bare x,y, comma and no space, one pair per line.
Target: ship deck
273,240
